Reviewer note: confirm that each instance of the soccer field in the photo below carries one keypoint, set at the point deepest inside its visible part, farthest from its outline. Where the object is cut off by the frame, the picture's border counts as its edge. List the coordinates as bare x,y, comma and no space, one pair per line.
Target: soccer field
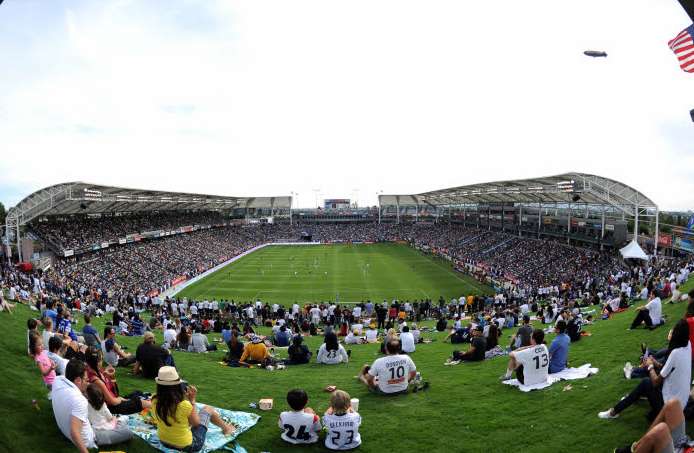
346,273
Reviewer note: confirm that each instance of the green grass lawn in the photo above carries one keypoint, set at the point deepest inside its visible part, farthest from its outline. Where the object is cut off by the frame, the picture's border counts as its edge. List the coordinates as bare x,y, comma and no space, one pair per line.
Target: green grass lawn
465,410
350,273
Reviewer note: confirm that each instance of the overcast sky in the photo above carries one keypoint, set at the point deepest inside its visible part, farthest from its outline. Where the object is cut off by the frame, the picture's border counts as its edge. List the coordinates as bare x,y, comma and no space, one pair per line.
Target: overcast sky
267,97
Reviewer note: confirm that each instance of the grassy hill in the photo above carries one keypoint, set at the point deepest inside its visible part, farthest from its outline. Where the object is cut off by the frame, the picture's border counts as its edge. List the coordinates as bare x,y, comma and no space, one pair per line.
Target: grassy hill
465,410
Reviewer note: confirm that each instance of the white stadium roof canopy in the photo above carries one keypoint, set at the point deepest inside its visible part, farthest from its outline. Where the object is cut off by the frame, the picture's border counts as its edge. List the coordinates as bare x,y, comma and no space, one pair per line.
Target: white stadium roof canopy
559,189
85,198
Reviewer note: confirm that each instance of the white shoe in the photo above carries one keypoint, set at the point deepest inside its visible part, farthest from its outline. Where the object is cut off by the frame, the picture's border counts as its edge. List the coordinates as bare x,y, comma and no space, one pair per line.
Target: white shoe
607,415
627,370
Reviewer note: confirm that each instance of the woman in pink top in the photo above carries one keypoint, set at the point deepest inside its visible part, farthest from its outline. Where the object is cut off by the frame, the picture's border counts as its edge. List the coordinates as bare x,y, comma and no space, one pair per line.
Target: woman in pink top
46,365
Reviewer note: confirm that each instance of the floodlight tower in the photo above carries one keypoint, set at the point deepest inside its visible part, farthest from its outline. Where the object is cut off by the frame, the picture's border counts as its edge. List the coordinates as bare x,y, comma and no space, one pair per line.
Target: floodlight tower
378,200
316,191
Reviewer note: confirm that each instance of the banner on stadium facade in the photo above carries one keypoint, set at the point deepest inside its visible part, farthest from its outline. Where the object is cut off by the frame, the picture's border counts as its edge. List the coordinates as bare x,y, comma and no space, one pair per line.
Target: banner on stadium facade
547,221
133,237
122,241
151,234
178,280
684,244
68,253
665,240
96,247
609,227
104,245
186,229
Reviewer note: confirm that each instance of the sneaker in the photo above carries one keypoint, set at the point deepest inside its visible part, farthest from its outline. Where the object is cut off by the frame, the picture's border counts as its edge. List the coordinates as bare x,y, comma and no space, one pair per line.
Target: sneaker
607,415
503,378
627,370
452,362
624,449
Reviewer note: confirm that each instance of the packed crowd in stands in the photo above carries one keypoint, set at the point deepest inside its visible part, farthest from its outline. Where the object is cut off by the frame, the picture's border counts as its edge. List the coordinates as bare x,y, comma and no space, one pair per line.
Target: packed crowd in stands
80,368
76,233
531,265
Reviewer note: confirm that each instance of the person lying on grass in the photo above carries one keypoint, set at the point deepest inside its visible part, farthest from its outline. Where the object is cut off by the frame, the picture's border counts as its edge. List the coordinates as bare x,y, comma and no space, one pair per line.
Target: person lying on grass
671,381
392,374
179,423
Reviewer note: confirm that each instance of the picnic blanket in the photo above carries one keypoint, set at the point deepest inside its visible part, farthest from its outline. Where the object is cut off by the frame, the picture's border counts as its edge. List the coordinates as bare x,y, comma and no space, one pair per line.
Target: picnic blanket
567,374
140,425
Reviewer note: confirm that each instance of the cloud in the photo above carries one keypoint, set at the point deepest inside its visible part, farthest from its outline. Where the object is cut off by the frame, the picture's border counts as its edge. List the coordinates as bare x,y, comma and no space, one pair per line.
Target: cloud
264,98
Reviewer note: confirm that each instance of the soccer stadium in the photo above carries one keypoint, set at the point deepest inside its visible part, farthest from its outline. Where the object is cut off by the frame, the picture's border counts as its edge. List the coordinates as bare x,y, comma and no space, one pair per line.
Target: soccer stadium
183,273
311,226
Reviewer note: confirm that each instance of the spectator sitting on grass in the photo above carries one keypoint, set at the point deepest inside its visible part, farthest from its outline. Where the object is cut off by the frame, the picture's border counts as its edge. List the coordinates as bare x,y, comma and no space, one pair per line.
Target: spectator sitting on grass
199,342
477,349
342,423
392,374
331,352
298,352
70,407
282,337
522,337
649,314
255,352
113,354
179,424
150,357
666,434
105,379
301,425
559,349
673,380
235,345
56,349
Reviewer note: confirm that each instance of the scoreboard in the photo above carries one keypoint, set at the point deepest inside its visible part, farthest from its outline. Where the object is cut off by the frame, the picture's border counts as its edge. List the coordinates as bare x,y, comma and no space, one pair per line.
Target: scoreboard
336,203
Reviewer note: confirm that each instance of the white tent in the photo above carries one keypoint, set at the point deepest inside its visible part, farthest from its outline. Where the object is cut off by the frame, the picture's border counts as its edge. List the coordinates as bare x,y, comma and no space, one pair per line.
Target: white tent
633,250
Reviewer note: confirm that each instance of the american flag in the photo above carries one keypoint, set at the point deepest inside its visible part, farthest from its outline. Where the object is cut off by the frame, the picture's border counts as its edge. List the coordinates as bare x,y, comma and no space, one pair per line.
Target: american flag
683,46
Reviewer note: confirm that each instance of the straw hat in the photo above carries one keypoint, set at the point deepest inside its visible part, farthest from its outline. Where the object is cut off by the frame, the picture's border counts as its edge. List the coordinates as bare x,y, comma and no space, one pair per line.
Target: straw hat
168,376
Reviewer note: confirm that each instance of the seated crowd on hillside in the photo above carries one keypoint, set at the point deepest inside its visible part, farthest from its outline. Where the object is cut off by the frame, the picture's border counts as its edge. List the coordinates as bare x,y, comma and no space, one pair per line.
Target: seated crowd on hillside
557,288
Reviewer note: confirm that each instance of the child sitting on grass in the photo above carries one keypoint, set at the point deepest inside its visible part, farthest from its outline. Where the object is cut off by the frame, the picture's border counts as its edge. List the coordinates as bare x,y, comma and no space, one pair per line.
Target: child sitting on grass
301,425
108,429
45,364
342,423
